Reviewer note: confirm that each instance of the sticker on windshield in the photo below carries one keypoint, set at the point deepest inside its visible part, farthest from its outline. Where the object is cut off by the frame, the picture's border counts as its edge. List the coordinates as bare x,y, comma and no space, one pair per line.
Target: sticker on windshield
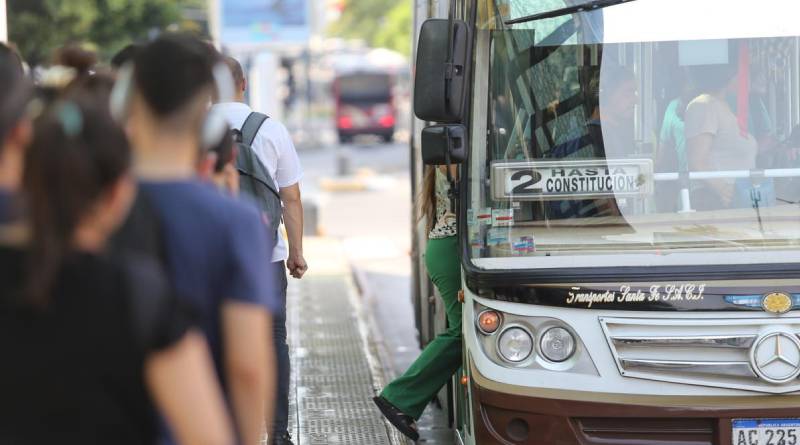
571,180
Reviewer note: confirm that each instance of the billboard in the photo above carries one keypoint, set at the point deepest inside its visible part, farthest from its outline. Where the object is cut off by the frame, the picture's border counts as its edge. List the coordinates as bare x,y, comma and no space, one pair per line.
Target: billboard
248,23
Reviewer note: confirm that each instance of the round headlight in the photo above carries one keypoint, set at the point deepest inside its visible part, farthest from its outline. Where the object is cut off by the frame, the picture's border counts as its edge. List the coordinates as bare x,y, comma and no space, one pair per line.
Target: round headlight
557,344
515,344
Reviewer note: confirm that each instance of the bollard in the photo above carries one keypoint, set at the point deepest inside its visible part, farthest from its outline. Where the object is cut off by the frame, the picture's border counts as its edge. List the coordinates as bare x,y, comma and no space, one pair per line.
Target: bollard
344,162
310,217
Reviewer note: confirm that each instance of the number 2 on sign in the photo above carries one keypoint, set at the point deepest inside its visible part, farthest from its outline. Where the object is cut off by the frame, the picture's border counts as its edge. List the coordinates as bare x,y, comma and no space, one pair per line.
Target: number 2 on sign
529,178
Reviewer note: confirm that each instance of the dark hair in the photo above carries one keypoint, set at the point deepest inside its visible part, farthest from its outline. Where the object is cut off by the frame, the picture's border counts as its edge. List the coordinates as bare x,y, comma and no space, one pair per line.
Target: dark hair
76,57
125,55
224,151
713,78
10,54
16,90
236,71
607,78
170,71
77,153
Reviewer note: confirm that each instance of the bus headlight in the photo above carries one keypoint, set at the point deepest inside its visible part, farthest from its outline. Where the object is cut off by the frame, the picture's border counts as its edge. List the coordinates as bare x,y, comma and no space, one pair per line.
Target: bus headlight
515,344
557,344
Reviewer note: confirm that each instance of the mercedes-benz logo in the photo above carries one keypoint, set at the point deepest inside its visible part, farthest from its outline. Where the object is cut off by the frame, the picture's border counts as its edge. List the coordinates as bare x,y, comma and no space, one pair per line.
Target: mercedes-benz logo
775,357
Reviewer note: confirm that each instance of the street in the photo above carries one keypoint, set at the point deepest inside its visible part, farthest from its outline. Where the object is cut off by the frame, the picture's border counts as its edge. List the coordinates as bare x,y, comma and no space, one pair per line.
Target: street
364,226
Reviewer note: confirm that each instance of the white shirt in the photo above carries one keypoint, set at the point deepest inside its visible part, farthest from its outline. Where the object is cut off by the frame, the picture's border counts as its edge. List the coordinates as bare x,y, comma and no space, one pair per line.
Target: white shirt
274,148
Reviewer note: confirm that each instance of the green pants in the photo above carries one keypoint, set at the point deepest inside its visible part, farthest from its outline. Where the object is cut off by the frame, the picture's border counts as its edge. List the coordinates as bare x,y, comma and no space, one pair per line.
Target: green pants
412,392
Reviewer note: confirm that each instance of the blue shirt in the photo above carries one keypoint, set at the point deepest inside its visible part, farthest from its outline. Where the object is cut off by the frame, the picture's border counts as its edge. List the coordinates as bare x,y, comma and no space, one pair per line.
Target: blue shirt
8,211
216,249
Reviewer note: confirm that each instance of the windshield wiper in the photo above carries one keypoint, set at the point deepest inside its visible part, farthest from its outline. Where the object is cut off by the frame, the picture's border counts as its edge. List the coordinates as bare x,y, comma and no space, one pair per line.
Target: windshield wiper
588,6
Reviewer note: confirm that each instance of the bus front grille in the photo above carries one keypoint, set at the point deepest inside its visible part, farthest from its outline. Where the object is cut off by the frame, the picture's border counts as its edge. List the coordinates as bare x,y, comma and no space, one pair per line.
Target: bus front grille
707,352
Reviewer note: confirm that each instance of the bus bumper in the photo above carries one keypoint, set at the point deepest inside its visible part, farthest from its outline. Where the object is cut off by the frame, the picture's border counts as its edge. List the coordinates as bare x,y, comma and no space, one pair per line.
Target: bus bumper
504,418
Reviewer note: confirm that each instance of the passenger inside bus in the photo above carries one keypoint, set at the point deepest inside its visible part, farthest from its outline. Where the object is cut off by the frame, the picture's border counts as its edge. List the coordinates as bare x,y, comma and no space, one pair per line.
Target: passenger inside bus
608,134
718,139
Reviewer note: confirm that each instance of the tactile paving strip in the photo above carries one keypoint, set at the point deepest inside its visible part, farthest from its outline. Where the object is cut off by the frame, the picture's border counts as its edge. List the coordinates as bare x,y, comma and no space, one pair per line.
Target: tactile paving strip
333,381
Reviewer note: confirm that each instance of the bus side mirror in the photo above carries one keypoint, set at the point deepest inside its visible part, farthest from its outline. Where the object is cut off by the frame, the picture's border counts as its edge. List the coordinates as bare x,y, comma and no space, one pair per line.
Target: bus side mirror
444,145
440,83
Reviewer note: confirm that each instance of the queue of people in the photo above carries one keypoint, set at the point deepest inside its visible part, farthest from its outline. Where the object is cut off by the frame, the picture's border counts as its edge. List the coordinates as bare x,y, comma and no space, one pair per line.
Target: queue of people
143,295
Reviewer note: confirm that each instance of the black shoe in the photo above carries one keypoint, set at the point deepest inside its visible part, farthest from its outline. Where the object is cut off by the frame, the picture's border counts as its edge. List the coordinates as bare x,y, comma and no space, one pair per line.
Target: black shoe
283,439
402,421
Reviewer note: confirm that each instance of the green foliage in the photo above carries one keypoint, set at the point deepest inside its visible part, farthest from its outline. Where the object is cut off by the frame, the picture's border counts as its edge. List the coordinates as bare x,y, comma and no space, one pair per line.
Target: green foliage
40,26
381,23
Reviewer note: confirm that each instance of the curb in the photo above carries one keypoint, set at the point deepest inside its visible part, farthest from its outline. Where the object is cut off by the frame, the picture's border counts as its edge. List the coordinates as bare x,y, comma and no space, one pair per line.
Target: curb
376,347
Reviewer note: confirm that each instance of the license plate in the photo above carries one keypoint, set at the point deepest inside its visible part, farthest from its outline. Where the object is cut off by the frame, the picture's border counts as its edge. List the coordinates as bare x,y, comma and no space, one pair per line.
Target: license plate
766,432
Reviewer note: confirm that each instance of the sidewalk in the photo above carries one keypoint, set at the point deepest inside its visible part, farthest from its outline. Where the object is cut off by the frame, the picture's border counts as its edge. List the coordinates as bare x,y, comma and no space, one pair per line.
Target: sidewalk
335,371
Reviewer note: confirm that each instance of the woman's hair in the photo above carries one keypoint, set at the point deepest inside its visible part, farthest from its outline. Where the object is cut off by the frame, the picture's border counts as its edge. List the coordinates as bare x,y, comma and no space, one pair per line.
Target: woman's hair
78,152
172,70
426,198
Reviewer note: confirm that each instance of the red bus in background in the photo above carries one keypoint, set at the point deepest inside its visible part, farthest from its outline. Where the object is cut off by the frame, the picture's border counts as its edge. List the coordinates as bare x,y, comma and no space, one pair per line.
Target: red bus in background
364,105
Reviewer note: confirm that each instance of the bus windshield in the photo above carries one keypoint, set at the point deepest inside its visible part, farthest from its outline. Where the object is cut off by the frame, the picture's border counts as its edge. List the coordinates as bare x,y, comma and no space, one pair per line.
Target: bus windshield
648,132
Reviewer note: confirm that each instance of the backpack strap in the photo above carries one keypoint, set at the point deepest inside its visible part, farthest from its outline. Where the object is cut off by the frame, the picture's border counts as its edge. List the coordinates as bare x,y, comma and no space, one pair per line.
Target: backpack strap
251,127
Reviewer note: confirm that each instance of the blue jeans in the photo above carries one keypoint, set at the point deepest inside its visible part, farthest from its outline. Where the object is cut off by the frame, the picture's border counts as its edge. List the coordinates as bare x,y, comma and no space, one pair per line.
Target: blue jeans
280,424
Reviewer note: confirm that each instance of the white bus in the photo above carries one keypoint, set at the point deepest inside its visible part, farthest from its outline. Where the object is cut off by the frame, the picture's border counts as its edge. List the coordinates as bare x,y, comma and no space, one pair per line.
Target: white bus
629,215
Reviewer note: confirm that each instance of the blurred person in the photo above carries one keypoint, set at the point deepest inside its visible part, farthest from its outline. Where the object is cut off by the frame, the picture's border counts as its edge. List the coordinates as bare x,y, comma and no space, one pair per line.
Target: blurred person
672,156
92,344
76,57
273,147
215,247
715,139
124,56
218,165
15,130
403,400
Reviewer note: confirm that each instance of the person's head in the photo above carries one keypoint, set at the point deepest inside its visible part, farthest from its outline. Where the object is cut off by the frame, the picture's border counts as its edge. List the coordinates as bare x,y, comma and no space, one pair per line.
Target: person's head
239,79
76,186
15,127
715,79
614,92
124,56
9,54
166,93
76,57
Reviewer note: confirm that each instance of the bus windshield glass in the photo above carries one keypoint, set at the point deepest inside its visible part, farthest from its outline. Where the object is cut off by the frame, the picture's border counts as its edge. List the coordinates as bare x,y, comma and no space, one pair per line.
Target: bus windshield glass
654,132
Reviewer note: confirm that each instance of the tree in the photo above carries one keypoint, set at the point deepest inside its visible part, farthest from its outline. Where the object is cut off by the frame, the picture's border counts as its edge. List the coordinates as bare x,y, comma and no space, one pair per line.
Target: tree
40,26
381,23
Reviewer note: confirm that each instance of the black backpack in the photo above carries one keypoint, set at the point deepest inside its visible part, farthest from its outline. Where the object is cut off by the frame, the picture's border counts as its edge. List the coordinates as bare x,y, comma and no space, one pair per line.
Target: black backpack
255,182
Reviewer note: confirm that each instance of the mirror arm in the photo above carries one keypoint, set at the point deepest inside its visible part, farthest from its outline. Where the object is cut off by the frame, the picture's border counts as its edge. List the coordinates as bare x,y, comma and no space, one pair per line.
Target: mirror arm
449,65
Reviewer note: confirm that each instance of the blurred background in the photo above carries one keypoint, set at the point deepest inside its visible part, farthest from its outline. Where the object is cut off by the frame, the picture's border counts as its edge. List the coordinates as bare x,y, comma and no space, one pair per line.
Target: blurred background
337,73
301,54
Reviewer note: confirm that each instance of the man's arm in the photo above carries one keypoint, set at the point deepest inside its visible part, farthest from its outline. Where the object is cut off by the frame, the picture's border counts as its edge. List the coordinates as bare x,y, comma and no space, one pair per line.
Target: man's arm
293,219
249,359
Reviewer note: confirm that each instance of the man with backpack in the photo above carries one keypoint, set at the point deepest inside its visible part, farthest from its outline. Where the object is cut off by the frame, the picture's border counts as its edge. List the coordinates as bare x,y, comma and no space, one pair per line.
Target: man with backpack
270,173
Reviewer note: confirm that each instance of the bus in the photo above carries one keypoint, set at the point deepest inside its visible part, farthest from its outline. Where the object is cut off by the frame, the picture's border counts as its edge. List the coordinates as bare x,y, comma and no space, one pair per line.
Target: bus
629,217
364,104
